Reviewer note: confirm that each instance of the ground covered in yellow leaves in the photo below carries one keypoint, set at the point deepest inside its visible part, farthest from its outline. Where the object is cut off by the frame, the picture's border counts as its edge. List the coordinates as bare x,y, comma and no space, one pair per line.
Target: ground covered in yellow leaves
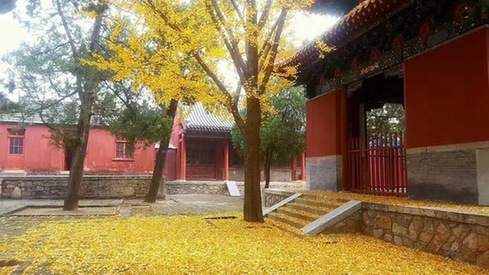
476,210
196,245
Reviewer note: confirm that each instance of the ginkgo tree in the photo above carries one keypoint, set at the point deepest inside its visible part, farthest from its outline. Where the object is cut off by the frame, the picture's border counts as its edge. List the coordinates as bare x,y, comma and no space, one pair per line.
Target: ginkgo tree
182,49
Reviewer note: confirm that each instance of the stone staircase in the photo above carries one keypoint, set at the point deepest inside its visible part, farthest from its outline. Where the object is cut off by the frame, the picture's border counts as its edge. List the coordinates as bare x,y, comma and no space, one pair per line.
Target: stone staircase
296,213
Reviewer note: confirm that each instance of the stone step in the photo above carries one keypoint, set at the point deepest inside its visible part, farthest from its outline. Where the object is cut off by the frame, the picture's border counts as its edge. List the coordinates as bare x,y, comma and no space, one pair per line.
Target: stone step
286,219
324,198
286,227
310,208
320,203
294,213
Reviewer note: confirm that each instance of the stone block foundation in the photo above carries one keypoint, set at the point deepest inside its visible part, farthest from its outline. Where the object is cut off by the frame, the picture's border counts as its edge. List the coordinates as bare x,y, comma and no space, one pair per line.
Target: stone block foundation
324,173
453,173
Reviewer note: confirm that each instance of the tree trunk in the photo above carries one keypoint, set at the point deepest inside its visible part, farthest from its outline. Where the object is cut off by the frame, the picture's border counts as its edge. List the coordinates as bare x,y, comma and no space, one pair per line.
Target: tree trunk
157,177
159,168
87,94
268,164
78,161
252,197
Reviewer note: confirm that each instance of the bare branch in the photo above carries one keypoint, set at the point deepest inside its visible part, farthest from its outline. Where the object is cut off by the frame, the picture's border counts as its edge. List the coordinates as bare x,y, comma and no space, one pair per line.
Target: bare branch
211,74
71,41
267,42
236,8
229,39
265,14
272,53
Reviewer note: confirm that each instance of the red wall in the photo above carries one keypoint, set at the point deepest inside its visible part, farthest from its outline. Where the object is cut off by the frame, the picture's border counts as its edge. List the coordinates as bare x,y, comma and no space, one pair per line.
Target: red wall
324,127
447,93
41,156
101,155
39,153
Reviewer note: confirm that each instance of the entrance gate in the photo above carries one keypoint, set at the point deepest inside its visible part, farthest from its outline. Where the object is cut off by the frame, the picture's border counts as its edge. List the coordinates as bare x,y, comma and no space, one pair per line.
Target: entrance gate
379,165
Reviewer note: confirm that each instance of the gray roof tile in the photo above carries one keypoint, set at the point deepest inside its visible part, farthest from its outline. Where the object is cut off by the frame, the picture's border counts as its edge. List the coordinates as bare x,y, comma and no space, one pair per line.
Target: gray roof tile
199,119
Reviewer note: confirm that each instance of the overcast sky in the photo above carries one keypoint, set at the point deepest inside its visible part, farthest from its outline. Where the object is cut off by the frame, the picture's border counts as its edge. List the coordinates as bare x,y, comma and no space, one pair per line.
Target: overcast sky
304,28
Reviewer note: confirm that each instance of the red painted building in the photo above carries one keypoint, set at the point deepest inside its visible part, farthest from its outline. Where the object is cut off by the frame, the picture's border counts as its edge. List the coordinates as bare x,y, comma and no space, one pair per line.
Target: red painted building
430,56
201,149
30,149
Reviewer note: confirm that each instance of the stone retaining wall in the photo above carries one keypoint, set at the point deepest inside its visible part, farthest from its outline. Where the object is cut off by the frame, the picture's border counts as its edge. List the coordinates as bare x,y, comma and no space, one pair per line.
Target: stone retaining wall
54,187
209,188
460,236
109,186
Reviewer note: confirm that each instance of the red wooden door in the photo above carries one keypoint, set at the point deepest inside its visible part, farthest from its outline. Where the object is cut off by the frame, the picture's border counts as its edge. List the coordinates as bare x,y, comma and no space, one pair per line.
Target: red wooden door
379,165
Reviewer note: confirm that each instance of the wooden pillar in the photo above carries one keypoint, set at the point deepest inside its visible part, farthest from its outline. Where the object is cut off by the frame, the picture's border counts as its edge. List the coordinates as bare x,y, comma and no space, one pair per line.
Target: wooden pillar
226,161
303,167
183,158
293,165
345,133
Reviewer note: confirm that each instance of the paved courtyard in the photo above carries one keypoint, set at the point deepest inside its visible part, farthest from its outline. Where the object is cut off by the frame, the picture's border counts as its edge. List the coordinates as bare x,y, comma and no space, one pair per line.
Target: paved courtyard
17,216
193,204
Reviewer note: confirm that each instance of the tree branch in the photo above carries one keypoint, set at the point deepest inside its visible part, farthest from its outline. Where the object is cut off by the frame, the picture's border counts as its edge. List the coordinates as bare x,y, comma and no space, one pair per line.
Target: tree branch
212,75
267,42
272,54
236,8
71,41
229,39
265,14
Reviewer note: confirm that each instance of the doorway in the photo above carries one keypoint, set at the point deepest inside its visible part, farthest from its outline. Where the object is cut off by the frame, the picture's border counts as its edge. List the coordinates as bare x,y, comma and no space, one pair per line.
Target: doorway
376,145
68,147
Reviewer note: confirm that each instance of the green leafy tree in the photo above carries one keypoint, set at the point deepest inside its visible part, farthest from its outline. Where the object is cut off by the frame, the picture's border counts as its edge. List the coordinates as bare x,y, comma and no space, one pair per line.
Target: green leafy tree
390,118
49,73
282,130
141,122
6,105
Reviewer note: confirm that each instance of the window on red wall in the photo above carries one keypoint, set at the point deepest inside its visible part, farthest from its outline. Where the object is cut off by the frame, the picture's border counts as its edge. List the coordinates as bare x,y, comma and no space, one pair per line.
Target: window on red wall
16,141
121,150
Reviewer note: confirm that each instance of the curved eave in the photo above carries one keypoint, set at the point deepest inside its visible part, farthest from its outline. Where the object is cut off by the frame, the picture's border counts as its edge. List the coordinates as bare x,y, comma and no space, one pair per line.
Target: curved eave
356,22
333,7
201,128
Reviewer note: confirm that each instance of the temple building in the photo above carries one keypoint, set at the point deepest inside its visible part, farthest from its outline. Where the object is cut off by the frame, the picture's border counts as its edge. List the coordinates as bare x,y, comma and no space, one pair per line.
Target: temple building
431,57
201,149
